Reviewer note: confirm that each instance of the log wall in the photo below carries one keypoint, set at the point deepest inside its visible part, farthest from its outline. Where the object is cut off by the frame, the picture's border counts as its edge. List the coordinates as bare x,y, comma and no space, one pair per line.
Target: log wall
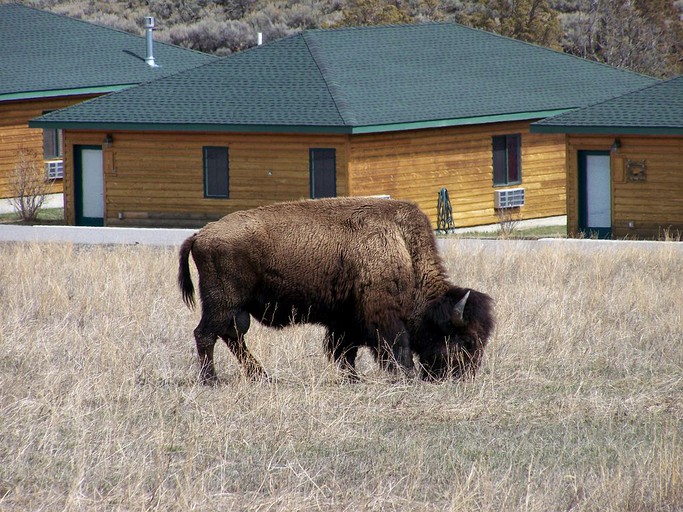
415,165
156,179
642,209
15,133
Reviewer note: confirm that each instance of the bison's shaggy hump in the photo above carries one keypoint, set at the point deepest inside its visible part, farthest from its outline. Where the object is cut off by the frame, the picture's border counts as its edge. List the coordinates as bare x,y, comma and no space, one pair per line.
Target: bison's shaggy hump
367,269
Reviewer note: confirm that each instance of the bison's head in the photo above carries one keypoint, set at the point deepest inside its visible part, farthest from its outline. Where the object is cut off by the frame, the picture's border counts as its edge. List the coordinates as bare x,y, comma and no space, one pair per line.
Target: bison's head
453,333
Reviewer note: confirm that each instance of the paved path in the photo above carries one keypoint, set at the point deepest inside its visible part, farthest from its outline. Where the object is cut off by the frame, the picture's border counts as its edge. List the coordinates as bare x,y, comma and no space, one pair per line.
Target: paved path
171,237
494,245
87,235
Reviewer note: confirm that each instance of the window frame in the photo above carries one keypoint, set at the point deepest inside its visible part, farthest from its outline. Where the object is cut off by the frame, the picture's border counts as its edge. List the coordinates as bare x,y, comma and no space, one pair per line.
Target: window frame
500,147
208,194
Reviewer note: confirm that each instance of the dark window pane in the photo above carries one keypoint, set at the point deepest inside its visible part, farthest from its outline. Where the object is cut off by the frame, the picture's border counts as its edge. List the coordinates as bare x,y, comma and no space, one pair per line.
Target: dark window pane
51,143
506,159
499,160
513,158
216,174
323,173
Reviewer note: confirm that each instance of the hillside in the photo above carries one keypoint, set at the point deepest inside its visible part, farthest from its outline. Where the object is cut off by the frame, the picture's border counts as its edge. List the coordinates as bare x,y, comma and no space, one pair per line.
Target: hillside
645,36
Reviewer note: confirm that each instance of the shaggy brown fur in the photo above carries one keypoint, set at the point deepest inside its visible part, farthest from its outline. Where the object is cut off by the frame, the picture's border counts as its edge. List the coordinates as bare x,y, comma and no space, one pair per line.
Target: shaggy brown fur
367,269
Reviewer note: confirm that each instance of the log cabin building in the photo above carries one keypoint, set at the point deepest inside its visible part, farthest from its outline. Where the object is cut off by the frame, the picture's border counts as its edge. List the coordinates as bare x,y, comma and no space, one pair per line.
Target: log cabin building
400,111
49,61
625,163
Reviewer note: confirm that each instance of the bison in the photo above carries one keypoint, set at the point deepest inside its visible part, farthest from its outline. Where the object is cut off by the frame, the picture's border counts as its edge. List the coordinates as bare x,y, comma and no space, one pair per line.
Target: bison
365,268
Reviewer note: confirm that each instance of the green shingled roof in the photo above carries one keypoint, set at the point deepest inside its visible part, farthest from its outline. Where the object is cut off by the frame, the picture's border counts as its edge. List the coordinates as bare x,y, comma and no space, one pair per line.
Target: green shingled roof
361,80
653,110
44,54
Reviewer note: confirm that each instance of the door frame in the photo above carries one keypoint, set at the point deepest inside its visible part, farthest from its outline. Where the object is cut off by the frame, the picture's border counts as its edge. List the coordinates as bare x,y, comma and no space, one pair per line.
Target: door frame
602,233
78,188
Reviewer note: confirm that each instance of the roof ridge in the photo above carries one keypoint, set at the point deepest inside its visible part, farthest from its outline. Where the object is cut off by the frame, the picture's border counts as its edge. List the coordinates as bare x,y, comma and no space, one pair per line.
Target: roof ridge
426,24
336,92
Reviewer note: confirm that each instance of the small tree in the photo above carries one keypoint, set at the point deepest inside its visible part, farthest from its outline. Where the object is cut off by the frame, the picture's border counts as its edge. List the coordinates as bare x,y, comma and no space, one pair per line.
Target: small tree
508,218
28,184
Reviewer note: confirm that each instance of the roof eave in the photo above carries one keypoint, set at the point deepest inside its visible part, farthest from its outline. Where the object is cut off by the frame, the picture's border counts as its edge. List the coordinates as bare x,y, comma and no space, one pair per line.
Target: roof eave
607,130
180,127
463,121
267,128
34,95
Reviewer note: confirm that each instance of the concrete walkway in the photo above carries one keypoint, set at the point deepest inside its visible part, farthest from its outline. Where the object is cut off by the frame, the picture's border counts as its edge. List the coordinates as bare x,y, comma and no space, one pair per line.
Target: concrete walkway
88,235
173,237
495,245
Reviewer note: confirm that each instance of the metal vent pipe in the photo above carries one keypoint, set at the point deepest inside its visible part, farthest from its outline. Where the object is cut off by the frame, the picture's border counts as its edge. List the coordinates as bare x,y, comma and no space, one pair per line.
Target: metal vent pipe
149,35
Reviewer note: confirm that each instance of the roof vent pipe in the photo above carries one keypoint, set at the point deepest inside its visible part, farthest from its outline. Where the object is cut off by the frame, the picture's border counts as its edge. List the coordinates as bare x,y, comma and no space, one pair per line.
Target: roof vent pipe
149,35
259,38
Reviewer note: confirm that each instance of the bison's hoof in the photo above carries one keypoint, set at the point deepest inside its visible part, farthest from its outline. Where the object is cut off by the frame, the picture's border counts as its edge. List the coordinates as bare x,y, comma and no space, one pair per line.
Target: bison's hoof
209,380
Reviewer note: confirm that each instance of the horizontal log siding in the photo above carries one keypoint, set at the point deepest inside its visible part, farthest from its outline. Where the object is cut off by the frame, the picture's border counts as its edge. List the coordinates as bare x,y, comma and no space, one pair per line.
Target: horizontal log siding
157,178
415,165
655,205
15,133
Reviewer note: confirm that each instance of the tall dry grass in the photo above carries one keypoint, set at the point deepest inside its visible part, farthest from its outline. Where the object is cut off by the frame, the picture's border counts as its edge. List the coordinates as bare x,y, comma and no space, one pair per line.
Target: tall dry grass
578,405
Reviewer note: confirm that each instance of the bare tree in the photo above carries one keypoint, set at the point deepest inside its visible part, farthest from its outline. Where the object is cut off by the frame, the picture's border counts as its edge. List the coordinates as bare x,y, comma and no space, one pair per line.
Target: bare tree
643,36
533,21
508,218
29,184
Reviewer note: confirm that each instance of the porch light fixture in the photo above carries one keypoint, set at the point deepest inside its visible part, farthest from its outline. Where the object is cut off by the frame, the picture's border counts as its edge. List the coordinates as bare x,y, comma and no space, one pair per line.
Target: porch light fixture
616,146
108,140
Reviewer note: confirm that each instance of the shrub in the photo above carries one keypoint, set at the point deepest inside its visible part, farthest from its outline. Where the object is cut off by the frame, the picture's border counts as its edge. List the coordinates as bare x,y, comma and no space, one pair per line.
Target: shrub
28,184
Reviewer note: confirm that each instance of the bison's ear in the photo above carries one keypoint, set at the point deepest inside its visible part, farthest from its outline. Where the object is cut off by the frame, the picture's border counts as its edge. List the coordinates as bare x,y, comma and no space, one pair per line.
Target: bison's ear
458,310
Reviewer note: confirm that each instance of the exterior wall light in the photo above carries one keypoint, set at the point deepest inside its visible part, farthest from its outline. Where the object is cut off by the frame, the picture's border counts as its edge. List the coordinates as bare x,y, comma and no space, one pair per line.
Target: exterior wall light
616,146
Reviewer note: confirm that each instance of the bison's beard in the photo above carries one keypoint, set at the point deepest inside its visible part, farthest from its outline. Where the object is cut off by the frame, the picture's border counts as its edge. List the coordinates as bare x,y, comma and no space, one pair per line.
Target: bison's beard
450,361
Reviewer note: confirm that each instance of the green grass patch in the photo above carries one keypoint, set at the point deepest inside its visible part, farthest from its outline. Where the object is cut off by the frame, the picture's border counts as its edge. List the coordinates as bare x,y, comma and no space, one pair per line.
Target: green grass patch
45,216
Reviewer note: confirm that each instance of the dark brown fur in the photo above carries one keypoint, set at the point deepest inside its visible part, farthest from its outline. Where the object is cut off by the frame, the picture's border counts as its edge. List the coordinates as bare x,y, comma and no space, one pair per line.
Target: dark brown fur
367,269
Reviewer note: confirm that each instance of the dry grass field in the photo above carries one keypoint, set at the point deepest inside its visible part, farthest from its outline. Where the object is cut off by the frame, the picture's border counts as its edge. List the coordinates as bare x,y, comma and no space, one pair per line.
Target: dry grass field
579,404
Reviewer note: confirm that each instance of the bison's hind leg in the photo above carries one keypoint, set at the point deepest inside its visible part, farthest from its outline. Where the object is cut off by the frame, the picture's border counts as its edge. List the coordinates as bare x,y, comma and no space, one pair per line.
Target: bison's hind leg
205,339
234,339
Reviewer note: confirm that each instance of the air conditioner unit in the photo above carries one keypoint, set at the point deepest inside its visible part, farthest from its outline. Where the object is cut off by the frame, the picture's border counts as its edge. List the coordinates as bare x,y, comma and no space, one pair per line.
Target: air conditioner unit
54,169
509,198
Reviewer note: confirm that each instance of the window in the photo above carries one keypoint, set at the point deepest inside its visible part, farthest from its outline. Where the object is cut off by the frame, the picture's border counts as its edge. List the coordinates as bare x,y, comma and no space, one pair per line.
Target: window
216,177
507,163
52,152
323,163
52,142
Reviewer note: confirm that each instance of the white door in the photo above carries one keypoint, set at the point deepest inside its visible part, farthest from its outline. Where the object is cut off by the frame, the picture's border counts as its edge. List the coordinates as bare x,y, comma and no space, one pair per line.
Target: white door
596,193
92,186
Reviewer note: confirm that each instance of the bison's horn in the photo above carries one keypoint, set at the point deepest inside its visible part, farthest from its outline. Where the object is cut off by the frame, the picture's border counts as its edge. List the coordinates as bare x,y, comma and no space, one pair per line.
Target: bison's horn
459,309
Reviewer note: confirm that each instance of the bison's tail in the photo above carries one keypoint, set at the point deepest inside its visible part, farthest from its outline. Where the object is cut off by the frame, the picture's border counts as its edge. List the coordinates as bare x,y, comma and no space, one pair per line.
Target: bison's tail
184,277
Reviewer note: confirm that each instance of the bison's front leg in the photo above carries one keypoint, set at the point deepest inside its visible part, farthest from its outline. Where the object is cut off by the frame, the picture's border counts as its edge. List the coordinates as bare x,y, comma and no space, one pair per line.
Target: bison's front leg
343,354
394,349
402,352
